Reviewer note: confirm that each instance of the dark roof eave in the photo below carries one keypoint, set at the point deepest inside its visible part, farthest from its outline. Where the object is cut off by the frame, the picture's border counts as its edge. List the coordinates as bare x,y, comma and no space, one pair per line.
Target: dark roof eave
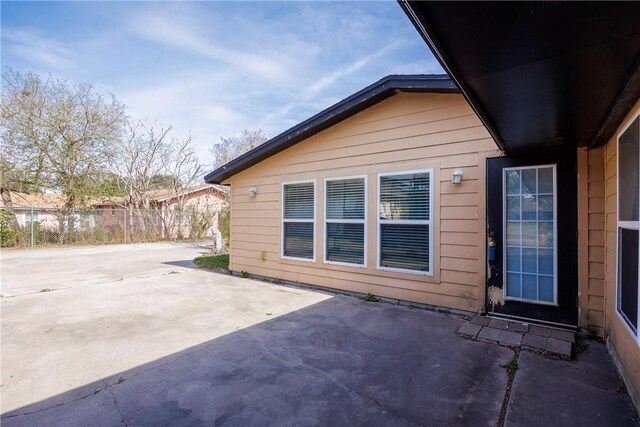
416,19
365,98
620,104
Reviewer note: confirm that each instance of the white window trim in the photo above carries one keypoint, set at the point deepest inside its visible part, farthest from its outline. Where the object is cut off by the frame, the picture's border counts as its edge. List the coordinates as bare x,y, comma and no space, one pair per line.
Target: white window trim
428,222
364,222
632,225
555,235
283,220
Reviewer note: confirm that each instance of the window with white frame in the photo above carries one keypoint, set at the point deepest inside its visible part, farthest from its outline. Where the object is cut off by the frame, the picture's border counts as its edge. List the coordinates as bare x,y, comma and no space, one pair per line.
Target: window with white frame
405,221
628,223
345,220
298,220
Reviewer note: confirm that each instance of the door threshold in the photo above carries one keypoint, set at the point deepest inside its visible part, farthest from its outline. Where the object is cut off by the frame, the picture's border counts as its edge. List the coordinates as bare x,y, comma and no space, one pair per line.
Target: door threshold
555,325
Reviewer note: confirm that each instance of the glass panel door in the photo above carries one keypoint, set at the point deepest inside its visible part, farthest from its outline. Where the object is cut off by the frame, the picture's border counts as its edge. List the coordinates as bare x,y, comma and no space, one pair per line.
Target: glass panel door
529,206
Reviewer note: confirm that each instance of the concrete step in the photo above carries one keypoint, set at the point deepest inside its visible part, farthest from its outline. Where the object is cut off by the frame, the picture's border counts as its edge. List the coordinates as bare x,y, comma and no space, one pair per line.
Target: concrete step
549,341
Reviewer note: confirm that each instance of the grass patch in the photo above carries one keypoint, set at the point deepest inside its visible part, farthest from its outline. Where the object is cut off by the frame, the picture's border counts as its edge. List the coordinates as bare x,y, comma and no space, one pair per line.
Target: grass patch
511,367
46,290
370,298
218,262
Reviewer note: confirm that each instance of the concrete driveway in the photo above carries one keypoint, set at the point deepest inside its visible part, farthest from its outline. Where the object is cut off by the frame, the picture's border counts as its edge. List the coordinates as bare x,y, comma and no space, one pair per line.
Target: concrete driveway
134,335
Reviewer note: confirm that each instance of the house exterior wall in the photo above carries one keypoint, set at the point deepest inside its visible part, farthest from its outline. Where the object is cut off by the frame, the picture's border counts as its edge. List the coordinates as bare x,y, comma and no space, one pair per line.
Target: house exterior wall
591,238
208,201
622,343
405,132
47,219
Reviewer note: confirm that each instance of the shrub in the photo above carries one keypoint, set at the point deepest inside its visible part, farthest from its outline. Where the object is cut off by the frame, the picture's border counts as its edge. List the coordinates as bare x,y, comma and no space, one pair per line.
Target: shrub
224,224
8,233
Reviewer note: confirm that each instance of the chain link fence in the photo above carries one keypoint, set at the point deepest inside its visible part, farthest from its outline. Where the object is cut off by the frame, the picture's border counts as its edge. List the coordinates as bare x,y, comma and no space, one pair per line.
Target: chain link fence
26,226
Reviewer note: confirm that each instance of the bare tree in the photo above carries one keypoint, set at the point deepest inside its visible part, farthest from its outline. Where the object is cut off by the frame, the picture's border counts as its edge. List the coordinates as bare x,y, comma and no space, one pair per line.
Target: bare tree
183,165
140,159
59,133
147,153
231,147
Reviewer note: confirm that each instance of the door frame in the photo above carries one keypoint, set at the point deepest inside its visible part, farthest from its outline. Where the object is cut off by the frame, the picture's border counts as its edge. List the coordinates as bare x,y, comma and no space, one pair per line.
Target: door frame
565,223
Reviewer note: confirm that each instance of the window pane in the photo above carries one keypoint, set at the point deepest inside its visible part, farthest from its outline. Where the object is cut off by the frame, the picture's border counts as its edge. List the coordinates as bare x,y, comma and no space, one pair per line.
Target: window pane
513,208
405,196
545,234
628,276
345,243
529,234
545,287
545,261
545,180
545,208
298,201
514,287
530,286
345,199
513,233
404,246
513,182
298,239
529,260
529,181
529,207
628,172
513,259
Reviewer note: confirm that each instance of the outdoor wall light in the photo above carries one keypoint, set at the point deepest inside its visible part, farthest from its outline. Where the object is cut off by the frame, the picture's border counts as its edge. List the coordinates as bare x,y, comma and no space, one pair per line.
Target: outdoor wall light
456,178
253,191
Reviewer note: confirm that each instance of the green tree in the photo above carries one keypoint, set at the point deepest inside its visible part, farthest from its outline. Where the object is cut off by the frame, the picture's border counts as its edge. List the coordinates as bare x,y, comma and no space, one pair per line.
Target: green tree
61,135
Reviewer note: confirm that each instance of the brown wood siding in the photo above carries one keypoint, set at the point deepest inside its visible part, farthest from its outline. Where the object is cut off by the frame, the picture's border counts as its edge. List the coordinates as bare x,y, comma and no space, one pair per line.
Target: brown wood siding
404,132
615,331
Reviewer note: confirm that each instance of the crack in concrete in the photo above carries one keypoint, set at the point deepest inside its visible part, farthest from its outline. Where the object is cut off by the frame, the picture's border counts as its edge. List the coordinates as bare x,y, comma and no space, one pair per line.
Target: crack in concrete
115,402
52,407
507,391
105,282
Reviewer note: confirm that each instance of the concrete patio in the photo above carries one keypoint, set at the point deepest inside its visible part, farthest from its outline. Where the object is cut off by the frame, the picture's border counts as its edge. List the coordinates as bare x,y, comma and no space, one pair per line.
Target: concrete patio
168,344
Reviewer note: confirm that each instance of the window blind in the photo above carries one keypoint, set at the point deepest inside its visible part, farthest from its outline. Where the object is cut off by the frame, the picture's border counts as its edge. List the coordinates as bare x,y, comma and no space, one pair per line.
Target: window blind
298,201
404,197
298,240
405,221
298,220
345,220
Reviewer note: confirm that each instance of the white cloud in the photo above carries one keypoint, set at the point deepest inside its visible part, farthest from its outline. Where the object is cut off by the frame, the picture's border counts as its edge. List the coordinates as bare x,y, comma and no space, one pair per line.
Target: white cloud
308,94
182,32
341,72
35,48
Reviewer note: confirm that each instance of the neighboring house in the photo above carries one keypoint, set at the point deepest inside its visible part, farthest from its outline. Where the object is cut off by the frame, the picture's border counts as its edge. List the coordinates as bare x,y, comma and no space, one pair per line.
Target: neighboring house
192,212
197,206
40,208
511,188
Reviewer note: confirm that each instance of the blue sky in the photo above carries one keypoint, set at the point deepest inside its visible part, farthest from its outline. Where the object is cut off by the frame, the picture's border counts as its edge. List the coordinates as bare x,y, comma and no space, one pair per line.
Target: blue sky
216,68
